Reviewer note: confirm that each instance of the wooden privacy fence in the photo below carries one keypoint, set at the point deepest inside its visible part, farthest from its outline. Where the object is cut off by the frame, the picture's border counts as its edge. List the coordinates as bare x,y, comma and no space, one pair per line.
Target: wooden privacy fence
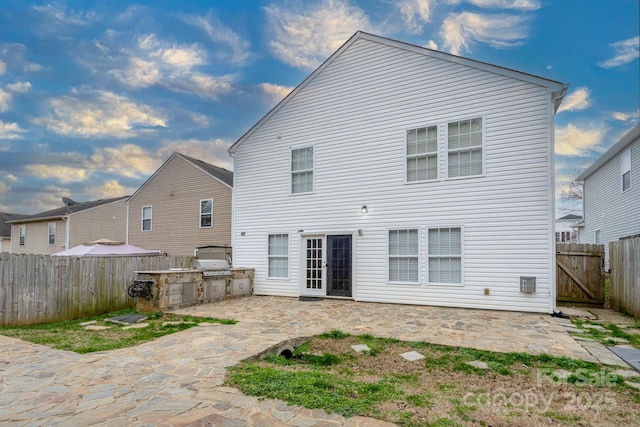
579,274
624,261
41,289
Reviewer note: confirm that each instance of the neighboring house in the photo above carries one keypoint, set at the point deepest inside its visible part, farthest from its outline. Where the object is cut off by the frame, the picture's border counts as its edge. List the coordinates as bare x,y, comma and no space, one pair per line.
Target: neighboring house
5,230
395,173
612,193
566,228
185,204
72,225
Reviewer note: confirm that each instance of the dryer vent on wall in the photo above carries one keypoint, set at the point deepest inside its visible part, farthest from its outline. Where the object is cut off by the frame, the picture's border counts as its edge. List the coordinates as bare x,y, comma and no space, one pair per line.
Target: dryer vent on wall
527,284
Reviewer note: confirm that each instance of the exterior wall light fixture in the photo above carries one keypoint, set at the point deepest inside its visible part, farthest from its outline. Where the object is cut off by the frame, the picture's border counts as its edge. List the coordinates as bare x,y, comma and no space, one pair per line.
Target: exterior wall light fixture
364,209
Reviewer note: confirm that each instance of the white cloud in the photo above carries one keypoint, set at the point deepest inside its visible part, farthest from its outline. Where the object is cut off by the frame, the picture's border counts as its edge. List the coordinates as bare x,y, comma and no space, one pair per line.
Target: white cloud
127,160
110,188
5,100
305,34
4,188
460,31
625,51
63,174
173,66
577,100
432,45
415,13
10,131
199,119
61,15
104,114
626,117
502,4
222,35
20,87
275,92
572,140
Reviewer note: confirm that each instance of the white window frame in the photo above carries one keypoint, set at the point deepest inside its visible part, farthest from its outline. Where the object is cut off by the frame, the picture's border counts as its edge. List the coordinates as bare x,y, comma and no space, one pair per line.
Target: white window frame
461,256
625,168
417,256
143,219
300,171
22,235
425,155
270,256
51,231
482,147
209,214
597,236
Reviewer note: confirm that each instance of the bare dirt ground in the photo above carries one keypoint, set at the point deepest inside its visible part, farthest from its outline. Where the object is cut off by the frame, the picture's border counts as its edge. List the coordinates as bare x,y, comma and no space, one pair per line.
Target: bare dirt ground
507,393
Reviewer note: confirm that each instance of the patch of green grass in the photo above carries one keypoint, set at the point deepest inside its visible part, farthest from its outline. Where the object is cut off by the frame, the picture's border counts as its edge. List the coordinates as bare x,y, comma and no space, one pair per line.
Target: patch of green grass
562,417
69,335
312,389
422,400
335,334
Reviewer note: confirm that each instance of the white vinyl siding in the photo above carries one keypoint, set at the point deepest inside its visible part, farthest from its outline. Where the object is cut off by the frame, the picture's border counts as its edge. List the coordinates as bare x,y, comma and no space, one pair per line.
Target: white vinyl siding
625,160
355,113
278,253
22,231
147,213
445,255
302,170
403,249
464,145
422,154
206,213
52,233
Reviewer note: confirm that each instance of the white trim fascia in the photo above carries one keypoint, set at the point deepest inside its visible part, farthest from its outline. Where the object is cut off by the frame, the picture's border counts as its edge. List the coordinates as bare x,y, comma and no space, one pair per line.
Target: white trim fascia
551,212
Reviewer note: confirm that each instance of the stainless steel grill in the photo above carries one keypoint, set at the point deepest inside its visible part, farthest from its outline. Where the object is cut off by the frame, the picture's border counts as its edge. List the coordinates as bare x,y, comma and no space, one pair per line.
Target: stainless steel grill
212,267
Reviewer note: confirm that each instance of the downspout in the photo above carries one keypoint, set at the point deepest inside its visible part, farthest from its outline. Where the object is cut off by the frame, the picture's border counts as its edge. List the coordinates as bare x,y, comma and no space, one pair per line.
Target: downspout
233,208
67,224
126,231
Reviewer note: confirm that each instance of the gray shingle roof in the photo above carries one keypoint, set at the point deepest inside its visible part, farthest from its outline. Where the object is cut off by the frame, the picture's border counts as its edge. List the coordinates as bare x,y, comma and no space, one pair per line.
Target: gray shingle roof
5,229
222,174
69,209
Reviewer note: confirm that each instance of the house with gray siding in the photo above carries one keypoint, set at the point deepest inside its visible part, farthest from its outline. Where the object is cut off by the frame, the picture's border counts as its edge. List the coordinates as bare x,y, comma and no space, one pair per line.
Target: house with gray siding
399,174
74,224
184,205
612,193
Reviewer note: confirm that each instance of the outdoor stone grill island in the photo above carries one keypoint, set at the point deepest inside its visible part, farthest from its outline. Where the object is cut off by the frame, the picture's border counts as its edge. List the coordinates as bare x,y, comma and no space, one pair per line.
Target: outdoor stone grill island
206,282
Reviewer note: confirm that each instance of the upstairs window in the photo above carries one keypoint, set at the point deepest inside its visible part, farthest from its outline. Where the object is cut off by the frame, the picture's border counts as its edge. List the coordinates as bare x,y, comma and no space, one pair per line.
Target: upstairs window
464,146
625,158
22,234
52,233
422,154
206,213
403,256
445,255
146,218
278,255
302,170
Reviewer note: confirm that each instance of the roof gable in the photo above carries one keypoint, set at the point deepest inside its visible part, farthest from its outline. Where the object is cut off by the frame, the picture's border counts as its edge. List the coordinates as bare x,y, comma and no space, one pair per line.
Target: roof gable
5,227
626,140
220,174
67,210
557,89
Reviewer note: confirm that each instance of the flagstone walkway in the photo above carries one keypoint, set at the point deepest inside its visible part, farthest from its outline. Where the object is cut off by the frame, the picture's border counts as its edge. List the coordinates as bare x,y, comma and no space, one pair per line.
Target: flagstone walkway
177,380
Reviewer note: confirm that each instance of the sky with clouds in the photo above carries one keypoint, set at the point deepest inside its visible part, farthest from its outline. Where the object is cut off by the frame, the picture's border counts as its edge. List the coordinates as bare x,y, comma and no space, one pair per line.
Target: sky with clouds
94,96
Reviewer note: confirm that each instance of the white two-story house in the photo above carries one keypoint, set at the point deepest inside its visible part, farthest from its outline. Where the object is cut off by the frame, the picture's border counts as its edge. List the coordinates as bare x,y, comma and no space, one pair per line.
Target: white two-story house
399,174
612,193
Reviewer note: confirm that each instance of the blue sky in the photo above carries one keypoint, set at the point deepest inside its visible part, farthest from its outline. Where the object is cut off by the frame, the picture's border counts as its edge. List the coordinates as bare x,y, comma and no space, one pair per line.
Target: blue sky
95,95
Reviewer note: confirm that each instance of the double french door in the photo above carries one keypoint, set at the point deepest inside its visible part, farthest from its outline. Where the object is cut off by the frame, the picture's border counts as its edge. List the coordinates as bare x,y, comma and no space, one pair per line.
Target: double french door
328,265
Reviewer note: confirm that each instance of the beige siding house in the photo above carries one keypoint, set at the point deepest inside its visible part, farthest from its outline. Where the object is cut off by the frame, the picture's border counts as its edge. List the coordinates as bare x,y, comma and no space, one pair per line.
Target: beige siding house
72,225
184,205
